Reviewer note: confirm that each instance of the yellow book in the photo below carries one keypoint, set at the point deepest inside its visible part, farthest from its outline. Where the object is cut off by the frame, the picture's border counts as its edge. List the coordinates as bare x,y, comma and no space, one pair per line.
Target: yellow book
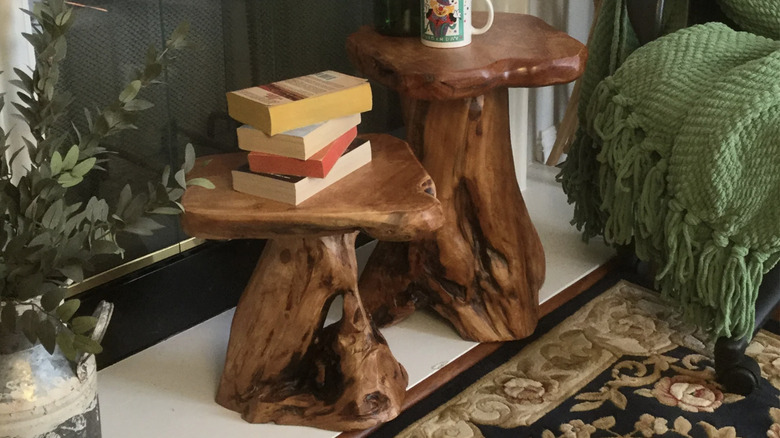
298,102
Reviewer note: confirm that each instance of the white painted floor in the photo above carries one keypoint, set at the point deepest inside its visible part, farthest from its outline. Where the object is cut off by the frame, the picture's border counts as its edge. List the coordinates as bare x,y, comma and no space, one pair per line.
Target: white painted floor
168,390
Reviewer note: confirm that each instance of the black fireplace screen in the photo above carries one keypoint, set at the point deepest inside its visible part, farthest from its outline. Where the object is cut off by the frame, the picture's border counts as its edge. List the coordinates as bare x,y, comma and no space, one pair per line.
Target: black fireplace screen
237,43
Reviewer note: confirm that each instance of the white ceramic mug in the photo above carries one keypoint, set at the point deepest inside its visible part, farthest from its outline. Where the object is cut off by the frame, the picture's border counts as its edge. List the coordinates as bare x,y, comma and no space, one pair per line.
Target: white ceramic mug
447,23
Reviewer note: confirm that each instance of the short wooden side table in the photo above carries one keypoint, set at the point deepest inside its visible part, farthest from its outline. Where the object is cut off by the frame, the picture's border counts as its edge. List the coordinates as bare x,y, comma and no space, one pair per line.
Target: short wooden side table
282,365
484,268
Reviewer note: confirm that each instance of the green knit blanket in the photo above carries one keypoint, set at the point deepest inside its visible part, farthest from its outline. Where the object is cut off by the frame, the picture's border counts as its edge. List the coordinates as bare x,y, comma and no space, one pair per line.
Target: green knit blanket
678,154
611,43
761,17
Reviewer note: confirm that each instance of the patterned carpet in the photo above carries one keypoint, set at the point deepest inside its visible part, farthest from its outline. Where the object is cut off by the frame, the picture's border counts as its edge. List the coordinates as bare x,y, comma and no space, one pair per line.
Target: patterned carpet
622,365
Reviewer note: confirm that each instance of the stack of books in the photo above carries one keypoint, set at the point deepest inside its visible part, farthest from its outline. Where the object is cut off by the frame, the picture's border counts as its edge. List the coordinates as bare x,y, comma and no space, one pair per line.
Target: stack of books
301,134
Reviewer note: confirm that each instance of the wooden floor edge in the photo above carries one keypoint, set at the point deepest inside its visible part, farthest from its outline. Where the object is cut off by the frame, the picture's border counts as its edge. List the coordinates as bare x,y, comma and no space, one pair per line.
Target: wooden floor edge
433,382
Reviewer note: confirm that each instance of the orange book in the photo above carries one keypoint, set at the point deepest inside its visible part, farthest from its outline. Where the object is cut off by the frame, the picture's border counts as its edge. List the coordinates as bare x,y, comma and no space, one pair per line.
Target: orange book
296,189
317,166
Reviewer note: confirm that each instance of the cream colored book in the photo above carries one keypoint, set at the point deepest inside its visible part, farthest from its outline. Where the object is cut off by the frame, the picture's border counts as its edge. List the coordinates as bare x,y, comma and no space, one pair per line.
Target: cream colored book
300,143
296,189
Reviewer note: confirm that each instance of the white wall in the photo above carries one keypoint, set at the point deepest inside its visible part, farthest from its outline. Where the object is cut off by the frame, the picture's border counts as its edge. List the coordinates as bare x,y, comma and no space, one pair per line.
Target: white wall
548,104
533,111
14,52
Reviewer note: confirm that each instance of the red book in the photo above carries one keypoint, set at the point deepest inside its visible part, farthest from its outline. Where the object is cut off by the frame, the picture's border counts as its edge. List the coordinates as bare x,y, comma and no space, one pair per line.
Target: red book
317,166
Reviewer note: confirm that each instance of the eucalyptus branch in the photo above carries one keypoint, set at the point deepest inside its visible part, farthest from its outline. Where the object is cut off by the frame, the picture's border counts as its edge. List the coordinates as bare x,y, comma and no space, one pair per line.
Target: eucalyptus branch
42,104
46,241
51,316
52,325
122,113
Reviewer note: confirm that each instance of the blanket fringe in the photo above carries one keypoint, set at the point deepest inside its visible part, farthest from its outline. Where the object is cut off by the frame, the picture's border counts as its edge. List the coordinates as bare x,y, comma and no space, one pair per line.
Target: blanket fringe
715,282
625,157
713,279
650,212
622,161
578,177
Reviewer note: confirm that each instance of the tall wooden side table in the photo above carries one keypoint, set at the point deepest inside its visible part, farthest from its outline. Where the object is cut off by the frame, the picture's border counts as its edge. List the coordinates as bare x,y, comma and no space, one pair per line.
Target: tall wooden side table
485,266
282,365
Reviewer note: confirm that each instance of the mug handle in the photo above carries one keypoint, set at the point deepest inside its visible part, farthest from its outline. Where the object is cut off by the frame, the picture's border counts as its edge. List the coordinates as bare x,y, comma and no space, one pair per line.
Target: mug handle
483,29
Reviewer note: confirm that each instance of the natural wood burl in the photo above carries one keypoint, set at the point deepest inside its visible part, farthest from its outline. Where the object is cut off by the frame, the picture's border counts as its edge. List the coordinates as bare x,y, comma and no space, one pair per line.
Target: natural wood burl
483,269
282,364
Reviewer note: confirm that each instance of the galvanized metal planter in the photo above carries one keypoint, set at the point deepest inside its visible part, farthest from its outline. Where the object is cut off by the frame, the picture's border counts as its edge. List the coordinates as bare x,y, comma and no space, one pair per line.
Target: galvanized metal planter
44,395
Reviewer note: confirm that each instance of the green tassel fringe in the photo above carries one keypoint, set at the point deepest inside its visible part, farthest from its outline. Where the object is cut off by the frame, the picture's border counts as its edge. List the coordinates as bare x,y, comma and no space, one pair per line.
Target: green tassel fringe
714,280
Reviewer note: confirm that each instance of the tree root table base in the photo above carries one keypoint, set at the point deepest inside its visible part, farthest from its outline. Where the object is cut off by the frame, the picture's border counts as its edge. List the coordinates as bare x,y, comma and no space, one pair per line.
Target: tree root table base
284,366
485,266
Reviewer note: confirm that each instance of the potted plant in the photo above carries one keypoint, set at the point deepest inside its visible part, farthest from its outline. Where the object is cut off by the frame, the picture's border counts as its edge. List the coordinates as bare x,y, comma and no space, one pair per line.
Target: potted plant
47,238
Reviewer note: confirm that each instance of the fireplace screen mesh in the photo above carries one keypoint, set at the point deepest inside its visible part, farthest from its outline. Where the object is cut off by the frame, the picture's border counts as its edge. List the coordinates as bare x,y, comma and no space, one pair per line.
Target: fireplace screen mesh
237,44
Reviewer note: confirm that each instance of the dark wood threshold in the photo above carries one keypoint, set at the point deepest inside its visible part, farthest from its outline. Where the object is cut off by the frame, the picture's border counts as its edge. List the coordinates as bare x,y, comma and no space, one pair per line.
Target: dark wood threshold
471,357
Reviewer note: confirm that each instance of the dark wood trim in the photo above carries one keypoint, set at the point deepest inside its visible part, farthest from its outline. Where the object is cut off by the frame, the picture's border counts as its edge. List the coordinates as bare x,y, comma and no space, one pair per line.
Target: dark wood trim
481,351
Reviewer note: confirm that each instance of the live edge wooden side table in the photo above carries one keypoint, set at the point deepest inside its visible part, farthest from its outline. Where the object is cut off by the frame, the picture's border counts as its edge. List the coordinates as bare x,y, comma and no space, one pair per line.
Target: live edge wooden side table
483,269
282,365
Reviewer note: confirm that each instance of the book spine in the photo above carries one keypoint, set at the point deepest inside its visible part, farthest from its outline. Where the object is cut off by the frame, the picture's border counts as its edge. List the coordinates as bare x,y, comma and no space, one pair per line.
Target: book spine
350,162
302,143
318,166
275,188
277,119
245,110
254,140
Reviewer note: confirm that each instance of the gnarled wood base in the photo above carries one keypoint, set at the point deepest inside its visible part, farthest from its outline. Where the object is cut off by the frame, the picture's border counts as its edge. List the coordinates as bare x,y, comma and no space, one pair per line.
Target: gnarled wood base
392,292
282,366
485,266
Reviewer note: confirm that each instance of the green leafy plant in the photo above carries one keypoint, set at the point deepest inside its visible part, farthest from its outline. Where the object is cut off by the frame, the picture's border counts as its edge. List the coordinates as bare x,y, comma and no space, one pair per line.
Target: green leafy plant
46,240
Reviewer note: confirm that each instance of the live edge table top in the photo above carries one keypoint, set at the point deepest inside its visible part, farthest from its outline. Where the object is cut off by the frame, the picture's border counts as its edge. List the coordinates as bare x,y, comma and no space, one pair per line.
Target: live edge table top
390,198
518,51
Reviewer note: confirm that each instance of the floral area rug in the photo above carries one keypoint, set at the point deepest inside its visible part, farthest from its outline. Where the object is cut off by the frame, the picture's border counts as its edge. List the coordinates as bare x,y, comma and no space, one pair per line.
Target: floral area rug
623,365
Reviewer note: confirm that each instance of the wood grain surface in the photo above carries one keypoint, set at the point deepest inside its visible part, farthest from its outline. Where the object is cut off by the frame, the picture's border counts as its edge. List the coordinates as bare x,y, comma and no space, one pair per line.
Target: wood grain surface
391,198
283,366
518,51
483,269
